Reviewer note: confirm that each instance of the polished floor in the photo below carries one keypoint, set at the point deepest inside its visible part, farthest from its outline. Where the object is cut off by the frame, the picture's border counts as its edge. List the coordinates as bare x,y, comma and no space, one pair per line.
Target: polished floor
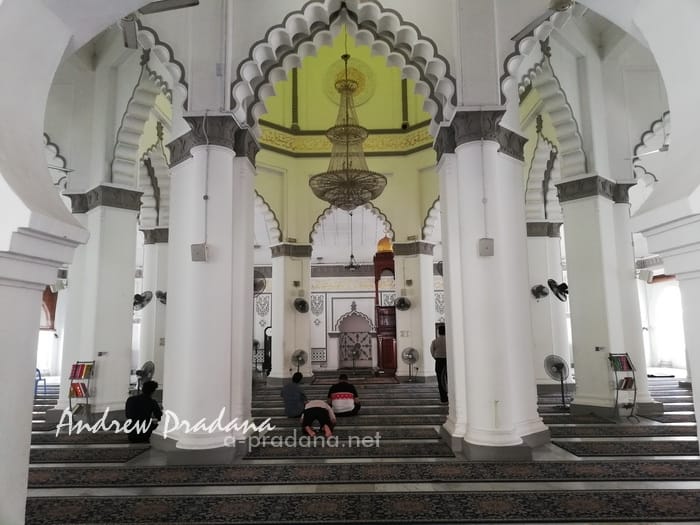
393,405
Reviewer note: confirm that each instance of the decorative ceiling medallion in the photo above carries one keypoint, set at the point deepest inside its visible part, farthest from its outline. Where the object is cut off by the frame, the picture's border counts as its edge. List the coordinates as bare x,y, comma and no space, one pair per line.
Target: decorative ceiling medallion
359,72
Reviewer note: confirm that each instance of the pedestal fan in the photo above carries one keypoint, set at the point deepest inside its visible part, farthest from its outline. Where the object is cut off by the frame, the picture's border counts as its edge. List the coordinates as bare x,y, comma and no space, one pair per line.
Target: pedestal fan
410,357
558,370
299,357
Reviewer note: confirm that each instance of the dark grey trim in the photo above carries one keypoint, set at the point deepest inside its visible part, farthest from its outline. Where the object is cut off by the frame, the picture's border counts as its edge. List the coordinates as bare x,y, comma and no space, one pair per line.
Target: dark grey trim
472,126
589,187
266,271
108,196
413,248
155,236
338,270
544,229
390,230
427,214
646,133
58,155
154,184
291,250
511,143
379,35
621,193
404,103
220,131
274,215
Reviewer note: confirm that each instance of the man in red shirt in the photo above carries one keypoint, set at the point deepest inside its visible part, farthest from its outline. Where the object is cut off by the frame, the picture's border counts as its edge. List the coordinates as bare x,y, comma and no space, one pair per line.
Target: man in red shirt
343,397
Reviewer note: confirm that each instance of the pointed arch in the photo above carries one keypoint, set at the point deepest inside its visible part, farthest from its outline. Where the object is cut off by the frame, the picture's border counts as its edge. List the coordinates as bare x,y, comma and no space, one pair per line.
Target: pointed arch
303,32
274,231
354,313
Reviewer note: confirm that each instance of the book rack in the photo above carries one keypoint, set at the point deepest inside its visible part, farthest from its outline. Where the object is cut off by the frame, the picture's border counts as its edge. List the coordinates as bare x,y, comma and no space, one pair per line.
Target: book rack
79,385
625,382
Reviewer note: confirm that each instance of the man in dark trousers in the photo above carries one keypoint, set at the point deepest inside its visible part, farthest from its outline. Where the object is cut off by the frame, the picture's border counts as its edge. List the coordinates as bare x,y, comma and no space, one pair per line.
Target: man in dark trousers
144,410
438,349
343,398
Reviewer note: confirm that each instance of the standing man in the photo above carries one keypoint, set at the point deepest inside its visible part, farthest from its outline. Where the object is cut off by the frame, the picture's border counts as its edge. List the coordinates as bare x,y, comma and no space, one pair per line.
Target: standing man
438,349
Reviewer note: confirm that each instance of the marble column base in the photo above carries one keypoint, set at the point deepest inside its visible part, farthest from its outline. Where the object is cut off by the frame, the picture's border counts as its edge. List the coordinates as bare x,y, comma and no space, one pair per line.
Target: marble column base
511,453
537,439
211,456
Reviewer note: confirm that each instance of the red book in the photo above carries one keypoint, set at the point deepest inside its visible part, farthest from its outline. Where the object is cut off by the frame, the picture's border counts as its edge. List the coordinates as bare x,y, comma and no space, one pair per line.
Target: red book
81,371
74,371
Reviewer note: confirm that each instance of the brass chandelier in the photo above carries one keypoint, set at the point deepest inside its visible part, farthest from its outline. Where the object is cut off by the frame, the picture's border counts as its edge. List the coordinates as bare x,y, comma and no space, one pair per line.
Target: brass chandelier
348,182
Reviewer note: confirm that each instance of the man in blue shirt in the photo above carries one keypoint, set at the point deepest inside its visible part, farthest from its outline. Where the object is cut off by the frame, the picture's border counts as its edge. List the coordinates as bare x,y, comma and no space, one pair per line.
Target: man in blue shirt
293,396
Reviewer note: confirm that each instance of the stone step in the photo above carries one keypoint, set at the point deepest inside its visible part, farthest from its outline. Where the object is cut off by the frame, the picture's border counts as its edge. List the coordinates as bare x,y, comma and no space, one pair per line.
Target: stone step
368,411
379,401
365,421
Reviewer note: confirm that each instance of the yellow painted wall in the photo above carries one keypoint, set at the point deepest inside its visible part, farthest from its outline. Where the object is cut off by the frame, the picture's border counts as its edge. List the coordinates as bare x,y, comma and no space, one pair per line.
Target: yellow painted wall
531,106
411,189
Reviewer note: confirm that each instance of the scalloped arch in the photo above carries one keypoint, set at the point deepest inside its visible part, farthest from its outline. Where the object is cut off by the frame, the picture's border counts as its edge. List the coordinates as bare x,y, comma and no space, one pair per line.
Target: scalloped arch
315,229
53,156
302,32
273,226
155,201
541,199
432,222
663,126
175,79
353,313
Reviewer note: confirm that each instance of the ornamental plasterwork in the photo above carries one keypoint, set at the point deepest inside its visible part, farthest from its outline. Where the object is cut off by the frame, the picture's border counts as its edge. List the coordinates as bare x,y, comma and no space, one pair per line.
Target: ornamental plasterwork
376,142
440,303
388,298
356,284
262,305
317,304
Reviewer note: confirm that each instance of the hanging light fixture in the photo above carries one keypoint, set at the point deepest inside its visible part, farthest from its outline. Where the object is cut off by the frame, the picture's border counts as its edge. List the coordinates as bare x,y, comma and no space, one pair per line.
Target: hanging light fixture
353,266
348,182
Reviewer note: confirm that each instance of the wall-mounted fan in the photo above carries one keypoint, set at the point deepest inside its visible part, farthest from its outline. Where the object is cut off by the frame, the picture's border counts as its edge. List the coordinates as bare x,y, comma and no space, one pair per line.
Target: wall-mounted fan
560,291
166,5
259,283
410,357
299,358
301,305
558,370
145,374
402,304
539,291
142,299
162,296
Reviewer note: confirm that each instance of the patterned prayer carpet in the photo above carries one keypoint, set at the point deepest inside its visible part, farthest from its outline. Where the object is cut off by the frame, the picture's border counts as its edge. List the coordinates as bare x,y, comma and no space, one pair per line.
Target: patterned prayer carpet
84,438
369,421
332,448
385,433
85,455
357,380
566,419
409,507
630,448
307,473
623,431
673,418
406,403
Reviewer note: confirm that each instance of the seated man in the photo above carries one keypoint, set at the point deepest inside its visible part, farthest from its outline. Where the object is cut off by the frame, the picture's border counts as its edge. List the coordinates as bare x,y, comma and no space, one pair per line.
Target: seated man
144,410
293,396
343,397
319,411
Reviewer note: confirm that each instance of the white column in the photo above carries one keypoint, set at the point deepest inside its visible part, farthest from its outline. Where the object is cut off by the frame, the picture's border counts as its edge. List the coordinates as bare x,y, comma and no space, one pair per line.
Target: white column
598,271
548,314
690,296
291,329
501,396
629,298
456,424
23,276
155,278
99,320
209,328
415,327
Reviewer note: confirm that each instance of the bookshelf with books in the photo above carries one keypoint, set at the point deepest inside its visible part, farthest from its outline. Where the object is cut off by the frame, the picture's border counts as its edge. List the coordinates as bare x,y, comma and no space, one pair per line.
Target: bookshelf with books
79,385
625,383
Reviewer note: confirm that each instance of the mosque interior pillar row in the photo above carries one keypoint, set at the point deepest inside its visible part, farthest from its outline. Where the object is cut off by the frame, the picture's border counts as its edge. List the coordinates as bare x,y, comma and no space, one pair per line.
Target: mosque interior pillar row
291,325
208,361
455,427
155,279
629,297
594,293
415,327
548,313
